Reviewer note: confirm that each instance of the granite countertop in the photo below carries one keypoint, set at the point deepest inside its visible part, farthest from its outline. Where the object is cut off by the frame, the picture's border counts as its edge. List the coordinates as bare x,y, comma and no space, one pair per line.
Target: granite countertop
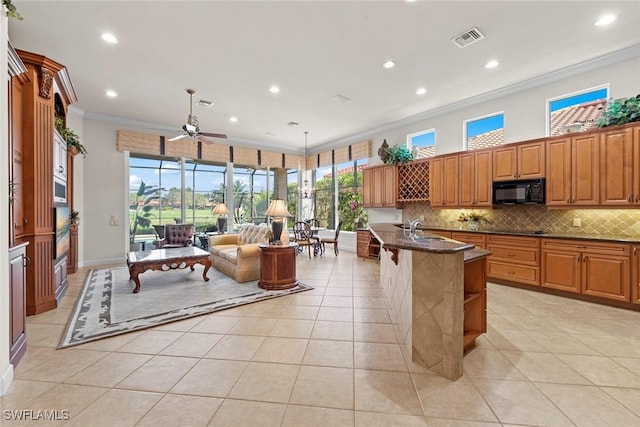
393,237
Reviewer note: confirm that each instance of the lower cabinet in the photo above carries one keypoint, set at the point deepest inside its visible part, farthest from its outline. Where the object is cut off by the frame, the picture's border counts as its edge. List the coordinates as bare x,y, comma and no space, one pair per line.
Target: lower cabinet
590,268
367,246
475,301
60,277
514,258
479,240
18,303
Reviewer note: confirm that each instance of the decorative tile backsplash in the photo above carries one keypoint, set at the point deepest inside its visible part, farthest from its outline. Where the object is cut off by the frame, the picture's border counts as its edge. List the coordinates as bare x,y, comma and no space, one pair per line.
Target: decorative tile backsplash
608,222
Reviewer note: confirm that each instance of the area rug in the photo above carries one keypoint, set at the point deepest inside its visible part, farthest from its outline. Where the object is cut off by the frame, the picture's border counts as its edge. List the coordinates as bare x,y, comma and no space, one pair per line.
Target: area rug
107,306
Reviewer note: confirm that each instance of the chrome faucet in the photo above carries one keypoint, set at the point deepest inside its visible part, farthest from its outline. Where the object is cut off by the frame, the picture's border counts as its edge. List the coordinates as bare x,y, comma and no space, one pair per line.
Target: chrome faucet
413,225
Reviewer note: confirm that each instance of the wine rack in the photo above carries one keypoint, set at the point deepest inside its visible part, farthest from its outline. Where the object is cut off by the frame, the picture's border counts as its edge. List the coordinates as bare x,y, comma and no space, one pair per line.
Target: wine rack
413,181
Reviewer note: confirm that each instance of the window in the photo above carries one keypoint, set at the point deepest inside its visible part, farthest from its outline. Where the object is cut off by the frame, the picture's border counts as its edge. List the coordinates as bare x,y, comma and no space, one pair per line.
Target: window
350,210
205,188
292,196
577,111
484,132
324,202
422,144
252,188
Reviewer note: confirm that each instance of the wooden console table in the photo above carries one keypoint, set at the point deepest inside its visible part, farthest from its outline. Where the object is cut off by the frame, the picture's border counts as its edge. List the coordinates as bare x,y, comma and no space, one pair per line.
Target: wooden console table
277,266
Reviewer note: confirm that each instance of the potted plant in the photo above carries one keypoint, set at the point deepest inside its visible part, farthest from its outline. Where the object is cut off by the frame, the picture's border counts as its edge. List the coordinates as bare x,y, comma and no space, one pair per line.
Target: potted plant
620,111
142,204
11,12
398,154
72,139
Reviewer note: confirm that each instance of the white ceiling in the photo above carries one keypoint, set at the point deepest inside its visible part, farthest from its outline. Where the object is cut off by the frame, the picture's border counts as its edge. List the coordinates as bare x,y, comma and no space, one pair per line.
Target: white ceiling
232,52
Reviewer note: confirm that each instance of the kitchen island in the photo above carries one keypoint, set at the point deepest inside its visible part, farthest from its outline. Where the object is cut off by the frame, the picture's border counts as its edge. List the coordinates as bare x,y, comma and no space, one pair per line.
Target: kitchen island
434,290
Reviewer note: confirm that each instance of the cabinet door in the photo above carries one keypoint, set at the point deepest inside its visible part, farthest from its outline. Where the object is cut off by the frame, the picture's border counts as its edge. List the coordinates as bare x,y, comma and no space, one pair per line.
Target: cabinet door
504,163
378,187
17,305
436,178
561,270
531,160
60,157
450,184
606,276
635,275
616,168
558,183
585,189
367,187
482,178
390,186
636,164
466,163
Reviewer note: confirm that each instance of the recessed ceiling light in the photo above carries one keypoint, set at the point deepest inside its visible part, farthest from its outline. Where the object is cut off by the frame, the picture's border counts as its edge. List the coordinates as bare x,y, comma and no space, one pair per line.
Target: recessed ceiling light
111,93
388,64
274,89
605,20
233,119
109,38
293,124
421,91
491,64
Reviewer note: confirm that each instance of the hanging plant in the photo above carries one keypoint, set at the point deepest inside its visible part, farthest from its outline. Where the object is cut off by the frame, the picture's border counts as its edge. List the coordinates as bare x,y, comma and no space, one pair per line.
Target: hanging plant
73,140
620,111
12,12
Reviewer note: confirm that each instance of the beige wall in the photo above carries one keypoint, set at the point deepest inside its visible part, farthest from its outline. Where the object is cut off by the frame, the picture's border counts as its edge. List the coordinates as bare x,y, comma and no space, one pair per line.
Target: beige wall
105,174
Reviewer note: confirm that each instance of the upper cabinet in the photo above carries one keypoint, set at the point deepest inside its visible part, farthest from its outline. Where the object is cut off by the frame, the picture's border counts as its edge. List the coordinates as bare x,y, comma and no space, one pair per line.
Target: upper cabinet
59,157
443,184
379,186
519,161
475,178
572,171
619,169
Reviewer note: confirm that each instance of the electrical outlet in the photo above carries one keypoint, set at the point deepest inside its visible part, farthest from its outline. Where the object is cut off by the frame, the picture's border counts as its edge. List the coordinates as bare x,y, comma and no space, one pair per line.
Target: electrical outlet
113,222
577,222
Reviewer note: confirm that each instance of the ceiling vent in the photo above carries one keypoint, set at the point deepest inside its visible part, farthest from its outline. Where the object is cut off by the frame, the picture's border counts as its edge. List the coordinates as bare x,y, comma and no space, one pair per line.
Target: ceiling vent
341,99
204,103
468,37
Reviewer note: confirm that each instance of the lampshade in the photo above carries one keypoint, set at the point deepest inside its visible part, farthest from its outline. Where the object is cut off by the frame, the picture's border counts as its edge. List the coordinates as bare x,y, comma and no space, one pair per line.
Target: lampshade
277,208
220,209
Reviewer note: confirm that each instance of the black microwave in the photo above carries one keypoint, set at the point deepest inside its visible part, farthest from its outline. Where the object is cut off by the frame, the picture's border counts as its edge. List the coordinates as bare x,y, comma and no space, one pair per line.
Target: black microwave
519,192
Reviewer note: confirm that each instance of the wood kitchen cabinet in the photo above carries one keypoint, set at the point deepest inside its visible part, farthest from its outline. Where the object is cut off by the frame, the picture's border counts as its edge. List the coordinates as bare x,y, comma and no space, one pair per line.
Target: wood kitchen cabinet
413,181
514,258
443,187
573,171
601,269
618,174
479,240
379,186
519,161
475,301
475,175
367,246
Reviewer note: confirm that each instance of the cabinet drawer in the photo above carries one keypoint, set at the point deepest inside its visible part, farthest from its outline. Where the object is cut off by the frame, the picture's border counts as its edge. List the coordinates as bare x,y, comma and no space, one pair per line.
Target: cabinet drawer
516,273
504,240
446,234
479,240
518,255
605,248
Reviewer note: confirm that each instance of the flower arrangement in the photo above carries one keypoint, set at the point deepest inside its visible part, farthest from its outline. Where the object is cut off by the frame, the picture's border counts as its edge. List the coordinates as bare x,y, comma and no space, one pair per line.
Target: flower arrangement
472,216
357,211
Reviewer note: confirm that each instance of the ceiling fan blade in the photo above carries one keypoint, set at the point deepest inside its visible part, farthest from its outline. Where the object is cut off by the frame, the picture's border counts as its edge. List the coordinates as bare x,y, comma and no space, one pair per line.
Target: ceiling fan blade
175,138
205,140
214,135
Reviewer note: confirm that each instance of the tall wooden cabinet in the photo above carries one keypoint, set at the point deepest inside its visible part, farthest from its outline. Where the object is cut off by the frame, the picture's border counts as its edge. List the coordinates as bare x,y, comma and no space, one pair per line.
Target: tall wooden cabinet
475,175
443,181
45,88
379,186
573,171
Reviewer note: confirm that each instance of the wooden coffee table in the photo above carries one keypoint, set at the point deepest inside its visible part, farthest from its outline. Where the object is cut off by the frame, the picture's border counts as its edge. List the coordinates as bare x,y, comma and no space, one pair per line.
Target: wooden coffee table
165,260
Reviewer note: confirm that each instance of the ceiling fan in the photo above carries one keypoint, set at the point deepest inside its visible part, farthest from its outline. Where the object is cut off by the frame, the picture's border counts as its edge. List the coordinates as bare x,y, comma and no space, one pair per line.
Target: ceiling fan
191,129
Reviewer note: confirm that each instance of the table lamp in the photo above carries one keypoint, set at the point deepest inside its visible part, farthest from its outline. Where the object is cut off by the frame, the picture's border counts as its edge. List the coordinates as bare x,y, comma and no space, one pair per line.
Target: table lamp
277,209
222,211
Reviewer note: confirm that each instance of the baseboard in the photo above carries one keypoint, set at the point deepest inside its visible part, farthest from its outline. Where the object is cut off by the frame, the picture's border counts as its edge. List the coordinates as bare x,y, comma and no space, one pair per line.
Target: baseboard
95,262
5,380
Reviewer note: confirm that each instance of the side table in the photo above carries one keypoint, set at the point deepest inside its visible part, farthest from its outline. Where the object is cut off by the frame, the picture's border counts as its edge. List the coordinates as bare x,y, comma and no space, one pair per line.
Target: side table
277,266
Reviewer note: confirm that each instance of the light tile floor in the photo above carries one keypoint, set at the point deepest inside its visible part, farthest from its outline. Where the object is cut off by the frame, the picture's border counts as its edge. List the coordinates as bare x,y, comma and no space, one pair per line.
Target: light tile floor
329,357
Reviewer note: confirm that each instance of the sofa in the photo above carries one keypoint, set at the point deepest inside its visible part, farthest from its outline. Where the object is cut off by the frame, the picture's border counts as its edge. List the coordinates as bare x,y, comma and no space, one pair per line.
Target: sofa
238,255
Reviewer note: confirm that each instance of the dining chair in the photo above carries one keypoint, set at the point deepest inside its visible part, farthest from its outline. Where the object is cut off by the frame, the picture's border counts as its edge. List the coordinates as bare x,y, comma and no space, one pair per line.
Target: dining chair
332,241
302,232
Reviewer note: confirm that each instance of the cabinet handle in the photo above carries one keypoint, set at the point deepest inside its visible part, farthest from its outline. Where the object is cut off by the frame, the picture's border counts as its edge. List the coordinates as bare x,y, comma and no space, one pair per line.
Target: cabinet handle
25,221
26,261
579,257
629,198
584,258
60,169
573,200
511,273
511,254
635,251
